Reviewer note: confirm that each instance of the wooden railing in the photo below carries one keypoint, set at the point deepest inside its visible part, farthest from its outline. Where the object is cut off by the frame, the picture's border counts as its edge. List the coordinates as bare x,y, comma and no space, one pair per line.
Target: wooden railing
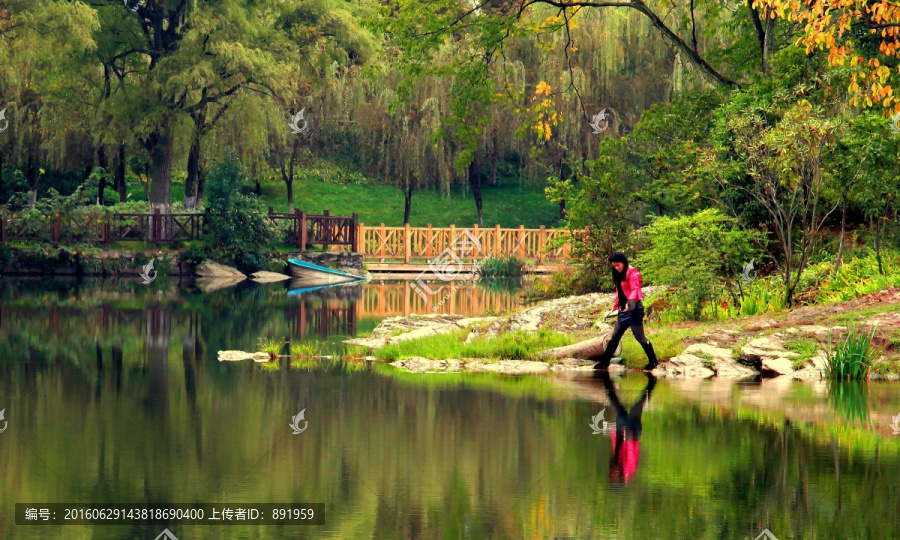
409,243
303,229
299,229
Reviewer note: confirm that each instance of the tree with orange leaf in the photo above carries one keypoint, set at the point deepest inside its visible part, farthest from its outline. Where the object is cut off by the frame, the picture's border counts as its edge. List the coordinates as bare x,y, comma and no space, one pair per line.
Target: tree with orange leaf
863,34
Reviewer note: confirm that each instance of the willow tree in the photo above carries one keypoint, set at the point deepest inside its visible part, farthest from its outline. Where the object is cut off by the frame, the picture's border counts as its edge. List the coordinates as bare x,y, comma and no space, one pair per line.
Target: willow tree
176,59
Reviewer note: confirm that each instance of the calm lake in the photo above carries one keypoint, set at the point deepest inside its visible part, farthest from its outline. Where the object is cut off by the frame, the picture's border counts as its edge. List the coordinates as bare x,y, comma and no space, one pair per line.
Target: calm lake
112,393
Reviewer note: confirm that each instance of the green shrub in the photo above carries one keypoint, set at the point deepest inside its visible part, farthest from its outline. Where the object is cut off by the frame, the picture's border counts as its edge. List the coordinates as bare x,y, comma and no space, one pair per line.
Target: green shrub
503,266
700,255
852,358
238,233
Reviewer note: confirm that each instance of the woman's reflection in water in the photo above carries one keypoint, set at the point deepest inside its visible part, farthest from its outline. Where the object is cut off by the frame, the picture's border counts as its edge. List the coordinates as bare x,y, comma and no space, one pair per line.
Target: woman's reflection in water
625,439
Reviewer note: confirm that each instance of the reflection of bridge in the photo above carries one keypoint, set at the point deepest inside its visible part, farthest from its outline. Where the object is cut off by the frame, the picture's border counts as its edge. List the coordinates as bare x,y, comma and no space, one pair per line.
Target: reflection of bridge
331,312
391,299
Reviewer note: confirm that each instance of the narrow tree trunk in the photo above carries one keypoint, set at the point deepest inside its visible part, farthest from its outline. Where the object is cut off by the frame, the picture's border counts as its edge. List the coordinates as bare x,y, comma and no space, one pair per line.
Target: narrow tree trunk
407,204
840,254
562,209
769,46
877,229
121,186
289,182
161,147
475,184
193,170
103,163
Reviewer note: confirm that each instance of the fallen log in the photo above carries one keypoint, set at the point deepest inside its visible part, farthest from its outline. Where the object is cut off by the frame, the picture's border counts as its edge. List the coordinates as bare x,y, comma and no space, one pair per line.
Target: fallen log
587,350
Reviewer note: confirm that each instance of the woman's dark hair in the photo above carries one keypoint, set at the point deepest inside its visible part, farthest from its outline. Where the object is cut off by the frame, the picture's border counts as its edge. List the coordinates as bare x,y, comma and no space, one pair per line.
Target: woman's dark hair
618,256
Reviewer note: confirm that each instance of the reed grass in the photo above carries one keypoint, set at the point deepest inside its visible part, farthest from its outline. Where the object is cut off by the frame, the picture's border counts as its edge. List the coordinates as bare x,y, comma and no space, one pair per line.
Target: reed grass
852,358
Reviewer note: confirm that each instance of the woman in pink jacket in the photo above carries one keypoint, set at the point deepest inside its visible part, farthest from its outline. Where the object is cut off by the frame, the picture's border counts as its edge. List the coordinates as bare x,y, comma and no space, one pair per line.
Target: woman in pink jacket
631,311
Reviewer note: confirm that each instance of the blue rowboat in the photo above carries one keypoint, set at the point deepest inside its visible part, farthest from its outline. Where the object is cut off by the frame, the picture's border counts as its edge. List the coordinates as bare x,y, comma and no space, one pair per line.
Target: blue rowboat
308,274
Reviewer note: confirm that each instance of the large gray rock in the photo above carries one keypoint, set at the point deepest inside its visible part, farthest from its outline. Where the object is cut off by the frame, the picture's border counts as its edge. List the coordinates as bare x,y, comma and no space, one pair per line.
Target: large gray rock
269,277
213,269
769,355
702,360
397,329
237,356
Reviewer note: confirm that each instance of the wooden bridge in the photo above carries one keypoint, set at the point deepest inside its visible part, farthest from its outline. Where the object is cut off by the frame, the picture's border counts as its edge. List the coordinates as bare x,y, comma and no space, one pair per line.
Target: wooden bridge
402,250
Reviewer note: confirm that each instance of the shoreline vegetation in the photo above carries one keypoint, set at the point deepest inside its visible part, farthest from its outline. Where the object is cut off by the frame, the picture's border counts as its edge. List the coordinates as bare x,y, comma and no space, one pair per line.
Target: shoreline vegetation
853,338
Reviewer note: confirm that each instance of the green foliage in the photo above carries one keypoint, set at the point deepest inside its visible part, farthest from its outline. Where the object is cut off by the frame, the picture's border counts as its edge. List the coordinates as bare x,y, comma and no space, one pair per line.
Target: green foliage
858,276
502,266
511,345
270,346
597,208
238,232
853,358
699,255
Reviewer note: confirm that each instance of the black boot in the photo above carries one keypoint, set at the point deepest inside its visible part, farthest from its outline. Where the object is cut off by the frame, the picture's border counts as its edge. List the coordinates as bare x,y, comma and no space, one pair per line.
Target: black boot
608,352
603,362
651,356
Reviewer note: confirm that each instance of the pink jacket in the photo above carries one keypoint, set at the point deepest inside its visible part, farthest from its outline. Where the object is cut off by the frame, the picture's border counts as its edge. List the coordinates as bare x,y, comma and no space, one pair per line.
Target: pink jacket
631,285
628,456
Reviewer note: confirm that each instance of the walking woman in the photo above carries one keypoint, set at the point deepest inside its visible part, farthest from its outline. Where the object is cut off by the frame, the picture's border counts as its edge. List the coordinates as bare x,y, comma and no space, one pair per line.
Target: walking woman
626,449
631,311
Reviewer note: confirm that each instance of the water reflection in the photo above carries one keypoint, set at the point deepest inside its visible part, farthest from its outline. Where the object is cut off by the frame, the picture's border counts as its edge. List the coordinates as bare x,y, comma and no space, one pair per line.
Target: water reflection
138,408
625,438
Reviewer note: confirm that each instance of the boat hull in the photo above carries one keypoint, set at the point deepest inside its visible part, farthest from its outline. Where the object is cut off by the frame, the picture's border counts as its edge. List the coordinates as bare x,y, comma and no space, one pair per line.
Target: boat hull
310,275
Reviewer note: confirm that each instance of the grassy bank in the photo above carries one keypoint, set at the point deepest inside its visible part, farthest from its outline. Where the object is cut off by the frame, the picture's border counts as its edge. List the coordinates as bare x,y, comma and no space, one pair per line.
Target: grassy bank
514,345
507,204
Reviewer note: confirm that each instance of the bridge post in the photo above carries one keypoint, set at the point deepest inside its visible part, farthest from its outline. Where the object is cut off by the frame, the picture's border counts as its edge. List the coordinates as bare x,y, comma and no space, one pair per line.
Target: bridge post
497,239
354,232
521,249
303,232
429,237
542,244
407,248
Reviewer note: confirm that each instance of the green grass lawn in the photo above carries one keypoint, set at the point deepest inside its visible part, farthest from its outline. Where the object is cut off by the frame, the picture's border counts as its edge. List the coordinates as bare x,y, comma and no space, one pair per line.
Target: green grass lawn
508,204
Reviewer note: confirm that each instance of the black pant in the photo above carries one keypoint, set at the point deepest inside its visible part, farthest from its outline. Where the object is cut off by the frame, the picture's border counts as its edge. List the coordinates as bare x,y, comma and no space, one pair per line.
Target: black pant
633,319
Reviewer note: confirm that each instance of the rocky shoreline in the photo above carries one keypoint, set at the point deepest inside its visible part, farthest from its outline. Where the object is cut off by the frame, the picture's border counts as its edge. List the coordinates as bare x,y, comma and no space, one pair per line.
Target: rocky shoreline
726,352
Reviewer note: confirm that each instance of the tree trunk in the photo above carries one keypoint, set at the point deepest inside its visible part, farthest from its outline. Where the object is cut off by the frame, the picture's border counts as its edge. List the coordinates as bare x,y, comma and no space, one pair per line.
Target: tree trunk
562,209
161,146
121,187
877,229
840,254
407,204
289,182
193,170
769,45
475,184
103,163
